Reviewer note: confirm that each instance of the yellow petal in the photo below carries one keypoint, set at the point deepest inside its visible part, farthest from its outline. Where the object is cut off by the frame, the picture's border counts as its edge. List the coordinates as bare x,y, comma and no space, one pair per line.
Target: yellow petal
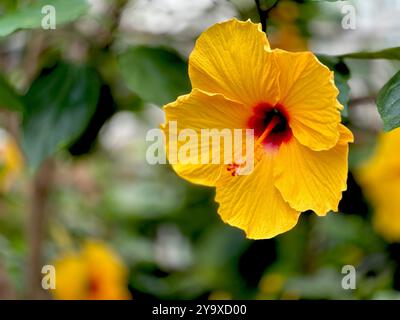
308,93
231,58
312,180
346,136
200,110
253,204
106,272
71,278
103,262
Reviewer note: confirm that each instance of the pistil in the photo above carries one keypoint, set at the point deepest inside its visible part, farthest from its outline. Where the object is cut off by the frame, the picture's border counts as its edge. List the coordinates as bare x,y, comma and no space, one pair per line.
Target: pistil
271,125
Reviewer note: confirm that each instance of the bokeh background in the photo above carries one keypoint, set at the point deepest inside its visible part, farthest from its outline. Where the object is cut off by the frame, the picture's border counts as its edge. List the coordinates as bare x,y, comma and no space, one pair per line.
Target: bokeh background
76,190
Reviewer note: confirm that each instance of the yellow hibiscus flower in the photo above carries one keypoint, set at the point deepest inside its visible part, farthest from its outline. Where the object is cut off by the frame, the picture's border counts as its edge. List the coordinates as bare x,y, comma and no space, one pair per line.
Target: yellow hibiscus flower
290,101
94,273
380,179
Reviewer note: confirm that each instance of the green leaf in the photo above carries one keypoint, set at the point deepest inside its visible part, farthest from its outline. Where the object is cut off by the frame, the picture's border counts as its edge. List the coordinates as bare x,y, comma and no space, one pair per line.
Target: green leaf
9,99
342,76
59,106
388,102
8,5
106,107
388,54
155,74
30,17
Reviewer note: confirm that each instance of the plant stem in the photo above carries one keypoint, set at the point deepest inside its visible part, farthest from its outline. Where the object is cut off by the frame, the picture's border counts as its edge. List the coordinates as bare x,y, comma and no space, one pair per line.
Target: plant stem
362,100
40,190
264,13
7,291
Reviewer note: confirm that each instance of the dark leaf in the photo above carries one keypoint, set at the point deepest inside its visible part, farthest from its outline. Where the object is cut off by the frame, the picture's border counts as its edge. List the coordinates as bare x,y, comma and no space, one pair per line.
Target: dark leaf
59,106
155,74
388,102
9,99
106,107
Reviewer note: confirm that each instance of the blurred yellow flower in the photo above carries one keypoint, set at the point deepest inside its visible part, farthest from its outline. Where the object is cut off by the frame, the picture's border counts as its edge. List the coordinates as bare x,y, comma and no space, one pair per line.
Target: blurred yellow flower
272,283
94,273
288,37
290,101
285,12
380,179
220,295
11,161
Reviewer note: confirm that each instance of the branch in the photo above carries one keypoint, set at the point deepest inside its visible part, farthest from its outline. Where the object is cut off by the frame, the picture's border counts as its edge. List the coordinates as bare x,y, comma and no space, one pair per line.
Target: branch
362,100
7,291
40,190
264,13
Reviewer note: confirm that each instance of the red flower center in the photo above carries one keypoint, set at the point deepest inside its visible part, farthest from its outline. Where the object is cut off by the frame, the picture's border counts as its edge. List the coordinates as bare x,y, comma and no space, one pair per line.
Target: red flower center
270,124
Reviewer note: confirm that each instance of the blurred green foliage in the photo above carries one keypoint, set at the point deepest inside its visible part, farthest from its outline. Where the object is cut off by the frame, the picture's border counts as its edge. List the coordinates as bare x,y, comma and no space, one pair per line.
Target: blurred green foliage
389,103
141,68
167,230
27,17
58,106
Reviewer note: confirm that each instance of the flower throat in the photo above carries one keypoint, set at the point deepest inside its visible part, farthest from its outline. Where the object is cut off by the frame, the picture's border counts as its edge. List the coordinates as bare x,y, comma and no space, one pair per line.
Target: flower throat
270,124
